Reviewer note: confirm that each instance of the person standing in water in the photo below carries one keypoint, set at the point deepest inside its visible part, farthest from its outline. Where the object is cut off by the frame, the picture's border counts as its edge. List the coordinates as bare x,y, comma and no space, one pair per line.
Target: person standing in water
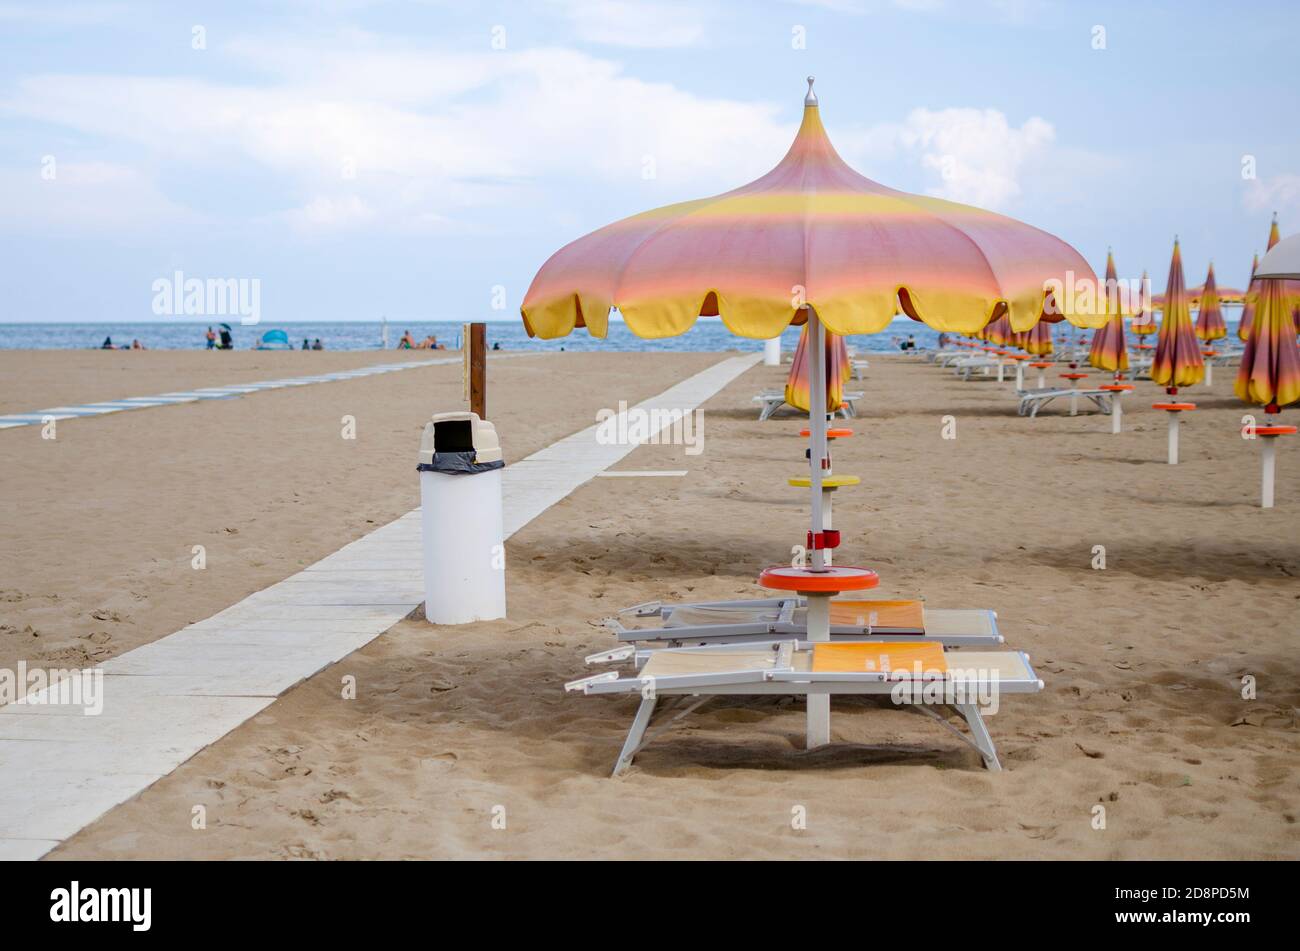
212,339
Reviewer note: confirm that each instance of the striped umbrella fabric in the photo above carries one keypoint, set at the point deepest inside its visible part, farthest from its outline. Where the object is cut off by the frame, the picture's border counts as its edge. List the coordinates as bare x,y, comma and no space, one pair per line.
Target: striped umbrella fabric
810,232
1248,307
1144,321
1270,366
1209,317
1178,359
838,372
1108,351
1039,339
999,332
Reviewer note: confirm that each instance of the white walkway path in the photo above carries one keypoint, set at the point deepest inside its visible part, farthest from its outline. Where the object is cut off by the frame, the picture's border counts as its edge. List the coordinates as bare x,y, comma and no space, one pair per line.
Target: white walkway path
42,416
164,702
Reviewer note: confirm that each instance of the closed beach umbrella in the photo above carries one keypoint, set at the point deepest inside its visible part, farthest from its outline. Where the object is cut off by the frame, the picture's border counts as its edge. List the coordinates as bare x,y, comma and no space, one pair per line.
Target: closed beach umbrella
812,240
1209,316
1248,306
1144,321
1178,360
1270,366
1039,339
838,372
1108,350
999,332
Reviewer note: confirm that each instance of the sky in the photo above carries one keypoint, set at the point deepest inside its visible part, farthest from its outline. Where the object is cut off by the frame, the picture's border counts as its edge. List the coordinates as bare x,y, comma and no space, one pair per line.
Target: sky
421,160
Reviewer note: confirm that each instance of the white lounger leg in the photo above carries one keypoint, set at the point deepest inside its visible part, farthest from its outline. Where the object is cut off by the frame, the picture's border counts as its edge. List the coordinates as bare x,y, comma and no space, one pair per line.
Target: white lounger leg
635,735
980,733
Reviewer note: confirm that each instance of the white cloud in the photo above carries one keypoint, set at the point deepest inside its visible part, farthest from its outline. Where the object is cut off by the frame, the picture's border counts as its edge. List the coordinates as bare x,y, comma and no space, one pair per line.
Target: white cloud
976,154
369,133
1274,193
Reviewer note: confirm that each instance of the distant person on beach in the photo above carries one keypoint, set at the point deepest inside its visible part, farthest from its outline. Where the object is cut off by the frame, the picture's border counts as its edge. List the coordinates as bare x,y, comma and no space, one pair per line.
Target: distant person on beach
496,345
227,341
908,344
318,345
211,337
305,344
137,345
407,342
943,341
107,344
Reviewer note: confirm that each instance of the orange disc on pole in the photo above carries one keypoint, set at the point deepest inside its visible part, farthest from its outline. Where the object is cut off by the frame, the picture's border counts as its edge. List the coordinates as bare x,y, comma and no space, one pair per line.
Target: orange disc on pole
1175,407
831,433
1275,430
832,580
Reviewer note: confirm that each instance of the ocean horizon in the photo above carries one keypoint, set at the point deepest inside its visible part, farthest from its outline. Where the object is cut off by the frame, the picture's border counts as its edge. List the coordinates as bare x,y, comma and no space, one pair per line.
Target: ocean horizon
707,335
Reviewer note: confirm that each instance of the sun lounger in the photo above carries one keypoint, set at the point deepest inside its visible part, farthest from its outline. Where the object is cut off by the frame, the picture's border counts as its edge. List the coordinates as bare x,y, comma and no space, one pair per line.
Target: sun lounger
722,622
918,675
964,368
860,368
773,400
1031,401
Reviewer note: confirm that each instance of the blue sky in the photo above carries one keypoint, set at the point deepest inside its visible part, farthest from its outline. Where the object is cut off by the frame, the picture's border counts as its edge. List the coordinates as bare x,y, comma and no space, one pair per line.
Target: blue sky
420,160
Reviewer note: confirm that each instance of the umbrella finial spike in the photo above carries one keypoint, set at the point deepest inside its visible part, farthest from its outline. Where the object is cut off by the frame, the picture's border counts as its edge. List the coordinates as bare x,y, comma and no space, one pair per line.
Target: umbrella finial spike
811,98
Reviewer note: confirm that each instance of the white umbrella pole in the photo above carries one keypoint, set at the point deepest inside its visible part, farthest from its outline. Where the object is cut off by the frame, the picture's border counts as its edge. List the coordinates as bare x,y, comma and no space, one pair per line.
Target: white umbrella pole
1209,372
1042,378
772,352
1269,451
1020,375
819,608
1116,414
1173,439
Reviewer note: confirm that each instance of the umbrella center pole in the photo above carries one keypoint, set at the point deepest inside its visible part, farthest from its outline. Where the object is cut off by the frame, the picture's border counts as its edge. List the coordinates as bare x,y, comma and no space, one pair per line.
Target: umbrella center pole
818,458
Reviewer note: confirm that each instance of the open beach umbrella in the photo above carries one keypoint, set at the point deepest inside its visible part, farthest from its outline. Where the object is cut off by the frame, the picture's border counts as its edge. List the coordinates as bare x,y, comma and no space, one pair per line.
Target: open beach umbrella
811,240
1178,360
1108,351
1209,316
839,369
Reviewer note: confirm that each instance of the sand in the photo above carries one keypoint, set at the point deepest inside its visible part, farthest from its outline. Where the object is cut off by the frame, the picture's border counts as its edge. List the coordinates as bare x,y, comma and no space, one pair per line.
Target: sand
456,729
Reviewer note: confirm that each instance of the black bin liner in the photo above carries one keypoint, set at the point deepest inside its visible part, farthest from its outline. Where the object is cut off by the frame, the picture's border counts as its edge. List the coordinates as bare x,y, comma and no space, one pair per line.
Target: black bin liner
458,463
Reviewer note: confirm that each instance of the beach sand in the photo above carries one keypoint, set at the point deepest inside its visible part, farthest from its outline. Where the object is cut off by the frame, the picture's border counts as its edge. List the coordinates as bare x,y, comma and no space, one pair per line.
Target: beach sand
454,728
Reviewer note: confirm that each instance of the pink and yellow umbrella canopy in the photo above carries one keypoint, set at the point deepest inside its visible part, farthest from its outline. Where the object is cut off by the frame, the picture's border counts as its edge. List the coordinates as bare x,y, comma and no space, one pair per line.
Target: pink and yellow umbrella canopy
810,232
1248,307
1038,341
1177,359
1209,317
1109,351
1270,366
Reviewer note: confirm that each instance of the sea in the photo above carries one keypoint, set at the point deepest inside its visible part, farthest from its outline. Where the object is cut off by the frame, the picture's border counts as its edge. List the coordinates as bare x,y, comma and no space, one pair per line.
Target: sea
708,334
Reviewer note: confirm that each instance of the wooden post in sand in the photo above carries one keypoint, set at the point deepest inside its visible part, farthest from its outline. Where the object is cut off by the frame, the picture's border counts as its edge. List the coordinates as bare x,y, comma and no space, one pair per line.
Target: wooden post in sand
476,345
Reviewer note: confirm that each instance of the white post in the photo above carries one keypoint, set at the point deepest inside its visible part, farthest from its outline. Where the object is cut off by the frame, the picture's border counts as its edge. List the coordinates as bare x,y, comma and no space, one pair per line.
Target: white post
819,610
1173,438
1270,461
1001,379
1042,378
1020,375
816,425
772,352
1209,372
819,704
1116,413
1074,398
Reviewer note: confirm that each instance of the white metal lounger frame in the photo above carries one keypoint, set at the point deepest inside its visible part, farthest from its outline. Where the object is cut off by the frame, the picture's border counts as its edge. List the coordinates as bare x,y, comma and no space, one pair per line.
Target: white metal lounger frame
774,401
783,625
1032,401
780,679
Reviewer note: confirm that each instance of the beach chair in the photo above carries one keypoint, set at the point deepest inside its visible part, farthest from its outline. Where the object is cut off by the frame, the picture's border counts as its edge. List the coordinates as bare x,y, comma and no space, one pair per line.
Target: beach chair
1031,401
760,619
773,400
964,368
920,676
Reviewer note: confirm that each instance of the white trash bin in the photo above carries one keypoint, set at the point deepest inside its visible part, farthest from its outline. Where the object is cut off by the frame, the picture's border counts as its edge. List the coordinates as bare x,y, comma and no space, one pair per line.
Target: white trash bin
460,498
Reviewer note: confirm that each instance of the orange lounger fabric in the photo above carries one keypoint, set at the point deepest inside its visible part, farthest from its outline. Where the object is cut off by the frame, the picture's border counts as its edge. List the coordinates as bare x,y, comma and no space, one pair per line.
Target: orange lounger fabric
901,657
